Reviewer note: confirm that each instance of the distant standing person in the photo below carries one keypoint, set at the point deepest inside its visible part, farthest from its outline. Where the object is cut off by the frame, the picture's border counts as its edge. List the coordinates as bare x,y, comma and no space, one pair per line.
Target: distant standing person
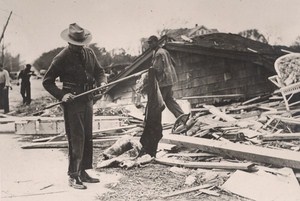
4,88
78,70
165,74
24,77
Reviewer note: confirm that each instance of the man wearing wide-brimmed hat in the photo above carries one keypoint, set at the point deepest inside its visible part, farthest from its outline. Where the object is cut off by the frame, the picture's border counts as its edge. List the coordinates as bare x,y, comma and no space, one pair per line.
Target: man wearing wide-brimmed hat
78,69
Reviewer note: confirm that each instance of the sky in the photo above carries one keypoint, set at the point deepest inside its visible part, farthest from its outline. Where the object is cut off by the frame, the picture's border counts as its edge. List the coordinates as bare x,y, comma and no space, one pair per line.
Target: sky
35,25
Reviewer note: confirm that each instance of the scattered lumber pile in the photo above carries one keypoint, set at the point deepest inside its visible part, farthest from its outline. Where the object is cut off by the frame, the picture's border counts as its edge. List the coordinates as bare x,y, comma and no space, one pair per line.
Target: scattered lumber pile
251,140
258,141
255,141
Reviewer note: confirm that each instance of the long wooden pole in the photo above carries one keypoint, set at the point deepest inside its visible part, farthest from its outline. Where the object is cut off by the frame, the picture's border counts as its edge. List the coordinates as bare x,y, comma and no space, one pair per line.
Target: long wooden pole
99,88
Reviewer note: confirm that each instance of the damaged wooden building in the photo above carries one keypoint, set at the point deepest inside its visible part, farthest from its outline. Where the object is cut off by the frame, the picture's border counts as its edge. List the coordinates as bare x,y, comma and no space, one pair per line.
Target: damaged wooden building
208,66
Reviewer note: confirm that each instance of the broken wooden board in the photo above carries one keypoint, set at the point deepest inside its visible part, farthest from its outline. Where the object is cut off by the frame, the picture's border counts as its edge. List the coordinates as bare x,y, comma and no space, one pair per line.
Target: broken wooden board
109,132
297,174
113,128
56,125
64,144
166,147
251,100
190,155
51,127
187,190
280,136
286,119
212,109
240,151
214,96
208,192
205,165
249,133
262,186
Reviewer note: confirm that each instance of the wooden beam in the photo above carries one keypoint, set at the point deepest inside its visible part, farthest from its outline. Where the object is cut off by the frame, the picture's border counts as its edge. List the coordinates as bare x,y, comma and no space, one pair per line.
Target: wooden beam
189,155
205,165
286,119
212,109
187,190
35,118
114,129
240,151
281,136
96,133
213,96
64,144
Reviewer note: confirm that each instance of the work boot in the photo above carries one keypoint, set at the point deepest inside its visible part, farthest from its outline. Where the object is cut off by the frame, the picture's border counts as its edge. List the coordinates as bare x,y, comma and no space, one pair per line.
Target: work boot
87,178
76,183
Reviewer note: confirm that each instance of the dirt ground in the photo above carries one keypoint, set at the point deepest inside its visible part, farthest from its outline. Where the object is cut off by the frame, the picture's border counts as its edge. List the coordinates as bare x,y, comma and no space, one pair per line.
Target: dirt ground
40,174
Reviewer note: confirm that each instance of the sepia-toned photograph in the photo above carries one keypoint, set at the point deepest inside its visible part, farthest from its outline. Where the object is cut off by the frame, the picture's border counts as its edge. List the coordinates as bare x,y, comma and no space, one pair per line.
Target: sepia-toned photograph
139,100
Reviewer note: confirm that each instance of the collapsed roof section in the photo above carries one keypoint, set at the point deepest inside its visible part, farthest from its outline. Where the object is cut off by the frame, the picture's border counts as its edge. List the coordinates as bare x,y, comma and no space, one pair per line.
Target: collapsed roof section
232,46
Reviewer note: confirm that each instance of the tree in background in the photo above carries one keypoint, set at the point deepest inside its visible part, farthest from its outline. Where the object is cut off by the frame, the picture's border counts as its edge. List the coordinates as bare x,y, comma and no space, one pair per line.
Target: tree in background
44,61
296,44
254,35
105,58
11,63
102,55
119,56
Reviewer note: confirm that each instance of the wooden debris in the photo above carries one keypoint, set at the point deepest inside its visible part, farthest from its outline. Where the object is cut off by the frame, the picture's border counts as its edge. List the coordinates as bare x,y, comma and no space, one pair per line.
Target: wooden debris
228,118
297,174
250,133
209,192
109,130
59,137
251,100
263,186
189,155
214,96
281,136
205,165
286,119
55,125
187,190
64,144
240,151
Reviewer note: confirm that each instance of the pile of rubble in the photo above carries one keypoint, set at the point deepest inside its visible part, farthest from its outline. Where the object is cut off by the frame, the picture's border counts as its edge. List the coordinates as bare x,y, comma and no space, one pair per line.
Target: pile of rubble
215,149
256,140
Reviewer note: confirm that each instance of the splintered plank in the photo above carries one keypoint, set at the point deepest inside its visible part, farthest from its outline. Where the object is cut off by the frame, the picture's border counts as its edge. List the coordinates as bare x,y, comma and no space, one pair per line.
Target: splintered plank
212,109
114,129
214,96
281,136
205,165
240,151
179,192
64,144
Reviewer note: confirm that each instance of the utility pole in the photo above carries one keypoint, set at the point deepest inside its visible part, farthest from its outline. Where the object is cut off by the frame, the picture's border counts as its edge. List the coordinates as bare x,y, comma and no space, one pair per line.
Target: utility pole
3,54
2,35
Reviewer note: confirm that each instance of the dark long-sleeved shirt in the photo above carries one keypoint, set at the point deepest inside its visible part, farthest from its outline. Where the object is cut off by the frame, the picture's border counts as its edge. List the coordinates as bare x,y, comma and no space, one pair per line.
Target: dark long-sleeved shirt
71,68
25,75
162,63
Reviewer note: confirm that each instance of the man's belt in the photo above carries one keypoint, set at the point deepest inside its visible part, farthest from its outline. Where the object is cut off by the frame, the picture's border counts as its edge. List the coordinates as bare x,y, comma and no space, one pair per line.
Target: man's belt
71,85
